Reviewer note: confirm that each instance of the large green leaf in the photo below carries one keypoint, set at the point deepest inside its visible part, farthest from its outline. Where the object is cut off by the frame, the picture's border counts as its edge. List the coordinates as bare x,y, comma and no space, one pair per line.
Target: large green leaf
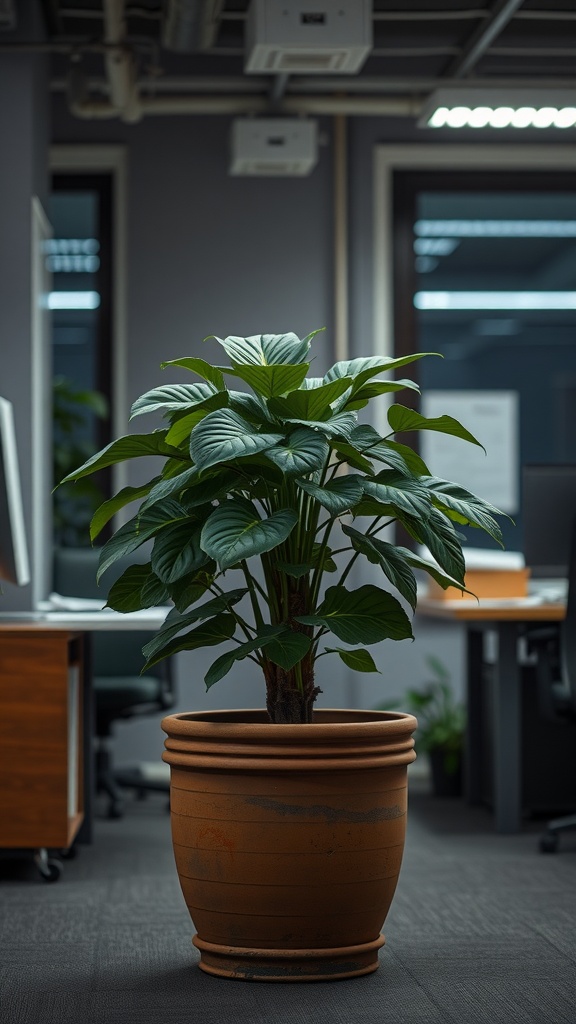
365,367
269,381
177,551
132,446
392,562
235,531
266,349
208,634
138,530
421,563
363,616
401,419
348,454
367,440
359,660
441,539
171,487
374,388
309,404
253,407
339,495
109,508
321,556
178,398
189,589
210,373
463,506
137,587
303,451
340,425
183,426
224,663
402,492
176,622
191,488
288,648
223,436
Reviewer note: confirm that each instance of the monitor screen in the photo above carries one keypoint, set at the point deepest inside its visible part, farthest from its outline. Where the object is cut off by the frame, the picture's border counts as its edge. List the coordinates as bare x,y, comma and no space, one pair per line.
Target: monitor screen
548,514
13,550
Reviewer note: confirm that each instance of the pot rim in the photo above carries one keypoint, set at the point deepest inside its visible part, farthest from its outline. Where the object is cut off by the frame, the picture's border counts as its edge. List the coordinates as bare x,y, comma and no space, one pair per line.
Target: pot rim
246,735
248,720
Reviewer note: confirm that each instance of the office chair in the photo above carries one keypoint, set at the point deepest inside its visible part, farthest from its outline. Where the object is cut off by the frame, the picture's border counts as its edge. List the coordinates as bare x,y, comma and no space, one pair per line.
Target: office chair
555,650
120,691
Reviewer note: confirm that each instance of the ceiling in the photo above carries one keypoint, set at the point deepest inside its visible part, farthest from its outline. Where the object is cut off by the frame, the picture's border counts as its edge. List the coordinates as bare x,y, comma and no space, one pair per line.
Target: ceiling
118,59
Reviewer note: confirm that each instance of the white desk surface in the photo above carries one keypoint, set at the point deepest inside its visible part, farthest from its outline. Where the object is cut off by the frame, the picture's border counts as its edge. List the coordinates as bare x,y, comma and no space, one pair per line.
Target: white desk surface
89,621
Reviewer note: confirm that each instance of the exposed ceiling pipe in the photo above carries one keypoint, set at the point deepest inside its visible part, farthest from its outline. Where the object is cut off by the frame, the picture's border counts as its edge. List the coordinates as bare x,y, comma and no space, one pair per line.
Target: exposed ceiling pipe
190,25
499,16
119,63
370,106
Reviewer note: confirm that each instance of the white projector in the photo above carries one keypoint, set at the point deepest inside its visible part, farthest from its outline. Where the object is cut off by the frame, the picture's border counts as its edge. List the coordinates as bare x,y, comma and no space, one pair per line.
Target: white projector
308,36
273,146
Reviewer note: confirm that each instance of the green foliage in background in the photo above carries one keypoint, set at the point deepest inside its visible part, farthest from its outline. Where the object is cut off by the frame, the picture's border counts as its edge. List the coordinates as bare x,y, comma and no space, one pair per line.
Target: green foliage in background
74,505
441,719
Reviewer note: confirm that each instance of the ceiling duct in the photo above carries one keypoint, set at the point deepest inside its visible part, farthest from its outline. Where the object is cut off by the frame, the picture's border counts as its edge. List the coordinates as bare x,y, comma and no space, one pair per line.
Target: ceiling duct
308,36
272,147
190,25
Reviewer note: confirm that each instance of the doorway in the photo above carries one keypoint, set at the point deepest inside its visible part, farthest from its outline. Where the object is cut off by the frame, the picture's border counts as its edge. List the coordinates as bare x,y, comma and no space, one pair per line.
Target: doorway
485,275
80,258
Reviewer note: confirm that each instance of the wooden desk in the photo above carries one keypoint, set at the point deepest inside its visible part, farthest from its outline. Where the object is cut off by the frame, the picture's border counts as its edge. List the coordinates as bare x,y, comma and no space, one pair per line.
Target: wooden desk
46,756
42,737
507,619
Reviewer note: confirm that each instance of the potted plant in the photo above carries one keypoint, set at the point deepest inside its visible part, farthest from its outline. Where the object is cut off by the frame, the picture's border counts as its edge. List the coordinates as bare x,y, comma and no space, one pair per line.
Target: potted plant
440,733
288,823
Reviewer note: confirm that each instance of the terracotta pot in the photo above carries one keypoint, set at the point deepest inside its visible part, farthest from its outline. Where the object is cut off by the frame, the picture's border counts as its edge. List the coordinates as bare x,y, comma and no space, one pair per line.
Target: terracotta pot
288,839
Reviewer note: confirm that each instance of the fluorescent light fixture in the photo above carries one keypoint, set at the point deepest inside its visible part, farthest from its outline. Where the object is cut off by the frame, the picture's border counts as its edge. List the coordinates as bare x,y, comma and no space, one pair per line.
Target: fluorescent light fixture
73,300
499,108
495,300
441,229
435,246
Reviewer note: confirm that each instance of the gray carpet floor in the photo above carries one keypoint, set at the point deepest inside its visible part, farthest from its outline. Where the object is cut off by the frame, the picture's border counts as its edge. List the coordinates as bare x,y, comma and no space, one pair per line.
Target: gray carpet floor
482,931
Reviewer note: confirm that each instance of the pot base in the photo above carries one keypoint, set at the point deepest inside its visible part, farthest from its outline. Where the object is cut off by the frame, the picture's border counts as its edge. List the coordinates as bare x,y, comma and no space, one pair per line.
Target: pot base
240,962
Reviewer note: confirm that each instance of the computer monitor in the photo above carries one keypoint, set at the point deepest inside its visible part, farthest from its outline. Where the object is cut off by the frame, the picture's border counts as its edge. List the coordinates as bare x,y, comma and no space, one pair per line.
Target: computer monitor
14,565
548,515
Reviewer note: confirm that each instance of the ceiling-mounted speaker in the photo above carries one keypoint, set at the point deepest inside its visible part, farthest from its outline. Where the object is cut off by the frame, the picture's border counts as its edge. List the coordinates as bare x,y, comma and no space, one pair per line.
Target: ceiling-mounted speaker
273,147
308,36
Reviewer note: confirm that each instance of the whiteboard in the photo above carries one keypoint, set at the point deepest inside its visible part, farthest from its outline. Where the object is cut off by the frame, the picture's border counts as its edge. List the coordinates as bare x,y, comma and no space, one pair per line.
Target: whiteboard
493,418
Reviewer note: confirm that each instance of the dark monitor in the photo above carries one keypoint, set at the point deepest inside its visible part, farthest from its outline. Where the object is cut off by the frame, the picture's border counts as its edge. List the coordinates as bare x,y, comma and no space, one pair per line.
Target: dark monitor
548,515
13,550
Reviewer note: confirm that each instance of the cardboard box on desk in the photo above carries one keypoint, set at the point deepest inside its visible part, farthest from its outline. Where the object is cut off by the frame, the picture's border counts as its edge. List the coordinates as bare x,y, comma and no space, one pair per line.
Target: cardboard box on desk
486,583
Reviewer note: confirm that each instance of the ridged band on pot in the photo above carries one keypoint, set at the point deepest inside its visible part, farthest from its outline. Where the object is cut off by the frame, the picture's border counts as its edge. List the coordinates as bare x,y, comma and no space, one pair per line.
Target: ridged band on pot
288,839
246,739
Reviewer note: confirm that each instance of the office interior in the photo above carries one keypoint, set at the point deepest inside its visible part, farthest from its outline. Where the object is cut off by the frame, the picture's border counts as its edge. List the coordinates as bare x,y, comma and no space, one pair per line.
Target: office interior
198,251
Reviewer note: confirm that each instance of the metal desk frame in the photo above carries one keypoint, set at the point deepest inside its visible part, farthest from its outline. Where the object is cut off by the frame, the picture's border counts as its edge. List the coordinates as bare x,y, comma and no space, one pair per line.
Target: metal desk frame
507,619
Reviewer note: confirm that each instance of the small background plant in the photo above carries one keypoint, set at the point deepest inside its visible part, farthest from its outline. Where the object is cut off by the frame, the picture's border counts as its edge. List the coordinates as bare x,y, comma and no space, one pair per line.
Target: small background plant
74,505
441,718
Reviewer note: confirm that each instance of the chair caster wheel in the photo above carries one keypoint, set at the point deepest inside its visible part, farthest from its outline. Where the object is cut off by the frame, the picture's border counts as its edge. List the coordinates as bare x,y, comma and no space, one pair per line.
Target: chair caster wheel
549,843
115,809
49,868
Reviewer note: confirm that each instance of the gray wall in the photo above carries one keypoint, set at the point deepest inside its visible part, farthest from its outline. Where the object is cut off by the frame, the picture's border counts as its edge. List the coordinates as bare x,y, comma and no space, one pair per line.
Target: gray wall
24,131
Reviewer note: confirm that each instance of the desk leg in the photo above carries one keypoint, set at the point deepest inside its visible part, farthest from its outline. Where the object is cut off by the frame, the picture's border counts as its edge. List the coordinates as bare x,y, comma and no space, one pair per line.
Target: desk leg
506,731
85,832
473,760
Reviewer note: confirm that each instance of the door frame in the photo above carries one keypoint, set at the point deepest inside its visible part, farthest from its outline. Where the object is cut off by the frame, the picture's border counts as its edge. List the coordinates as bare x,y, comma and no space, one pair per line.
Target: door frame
112,160
474,157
